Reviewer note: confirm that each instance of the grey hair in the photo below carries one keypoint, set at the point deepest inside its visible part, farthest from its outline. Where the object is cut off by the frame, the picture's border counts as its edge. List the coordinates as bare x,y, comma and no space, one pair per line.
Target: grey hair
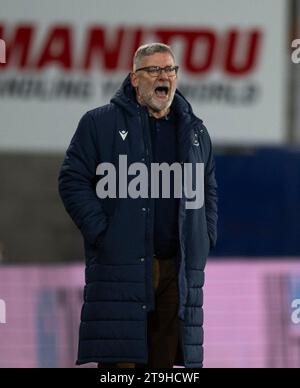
150,49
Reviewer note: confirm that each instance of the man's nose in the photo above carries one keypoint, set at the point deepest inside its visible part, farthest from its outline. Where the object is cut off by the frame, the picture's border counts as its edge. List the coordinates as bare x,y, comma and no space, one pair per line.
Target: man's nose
163,77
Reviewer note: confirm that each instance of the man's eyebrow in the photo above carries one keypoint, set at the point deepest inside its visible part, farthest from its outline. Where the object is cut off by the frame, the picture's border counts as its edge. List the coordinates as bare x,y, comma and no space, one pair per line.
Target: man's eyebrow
161,66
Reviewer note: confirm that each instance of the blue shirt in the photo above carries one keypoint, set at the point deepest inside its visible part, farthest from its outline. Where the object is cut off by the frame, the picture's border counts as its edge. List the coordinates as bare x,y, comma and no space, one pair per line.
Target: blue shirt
164,150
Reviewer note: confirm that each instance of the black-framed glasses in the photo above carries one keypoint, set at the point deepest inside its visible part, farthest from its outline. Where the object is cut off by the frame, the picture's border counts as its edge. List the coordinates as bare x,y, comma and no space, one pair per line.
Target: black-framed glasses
155,71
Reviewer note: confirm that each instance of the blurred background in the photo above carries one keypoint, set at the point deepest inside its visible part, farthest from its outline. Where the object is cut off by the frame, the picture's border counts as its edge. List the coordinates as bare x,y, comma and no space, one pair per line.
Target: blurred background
66,57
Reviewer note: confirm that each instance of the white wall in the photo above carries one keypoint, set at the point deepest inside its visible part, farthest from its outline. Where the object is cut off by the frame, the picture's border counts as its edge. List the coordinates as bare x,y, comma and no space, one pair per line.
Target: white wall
37,118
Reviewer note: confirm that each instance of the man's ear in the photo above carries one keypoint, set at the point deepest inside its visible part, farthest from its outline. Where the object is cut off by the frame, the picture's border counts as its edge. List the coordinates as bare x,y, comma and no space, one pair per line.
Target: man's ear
134,80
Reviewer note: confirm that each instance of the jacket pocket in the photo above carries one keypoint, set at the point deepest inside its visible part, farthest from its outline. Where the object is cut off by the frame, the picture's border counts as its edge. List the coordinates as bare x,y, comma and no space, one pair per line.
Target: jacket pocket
105,235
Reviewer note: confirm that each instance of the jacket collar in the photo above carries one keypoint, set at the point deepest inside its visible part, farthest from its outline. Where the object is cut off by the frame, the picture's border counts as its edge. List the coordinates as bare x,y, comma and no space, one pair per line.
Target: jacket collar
184,115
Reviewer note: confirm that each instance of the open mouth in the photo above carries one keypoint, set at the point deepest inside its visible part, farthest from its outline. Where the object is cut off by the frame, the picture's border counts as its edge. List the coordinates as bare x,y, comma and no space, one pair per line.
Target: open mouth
162,91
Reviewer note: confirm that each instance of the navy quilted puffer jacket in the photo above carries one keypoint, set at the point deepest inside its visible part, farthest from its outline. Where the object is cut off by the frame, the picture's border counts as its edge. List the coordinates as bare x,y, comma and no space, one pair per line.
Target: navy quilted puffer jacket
118,232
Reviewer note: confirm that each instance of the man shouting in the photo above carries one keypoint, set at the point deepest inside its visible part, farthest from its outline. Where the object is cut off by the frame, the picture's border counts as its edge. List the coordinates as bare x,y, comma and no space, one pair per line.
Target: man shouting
145,256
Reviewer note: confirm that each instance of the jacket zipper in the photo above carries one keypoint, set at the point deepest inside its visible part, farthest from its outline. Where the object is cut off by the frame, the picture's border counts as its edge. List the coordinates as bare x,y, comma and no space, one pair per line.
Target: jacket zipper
148,150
